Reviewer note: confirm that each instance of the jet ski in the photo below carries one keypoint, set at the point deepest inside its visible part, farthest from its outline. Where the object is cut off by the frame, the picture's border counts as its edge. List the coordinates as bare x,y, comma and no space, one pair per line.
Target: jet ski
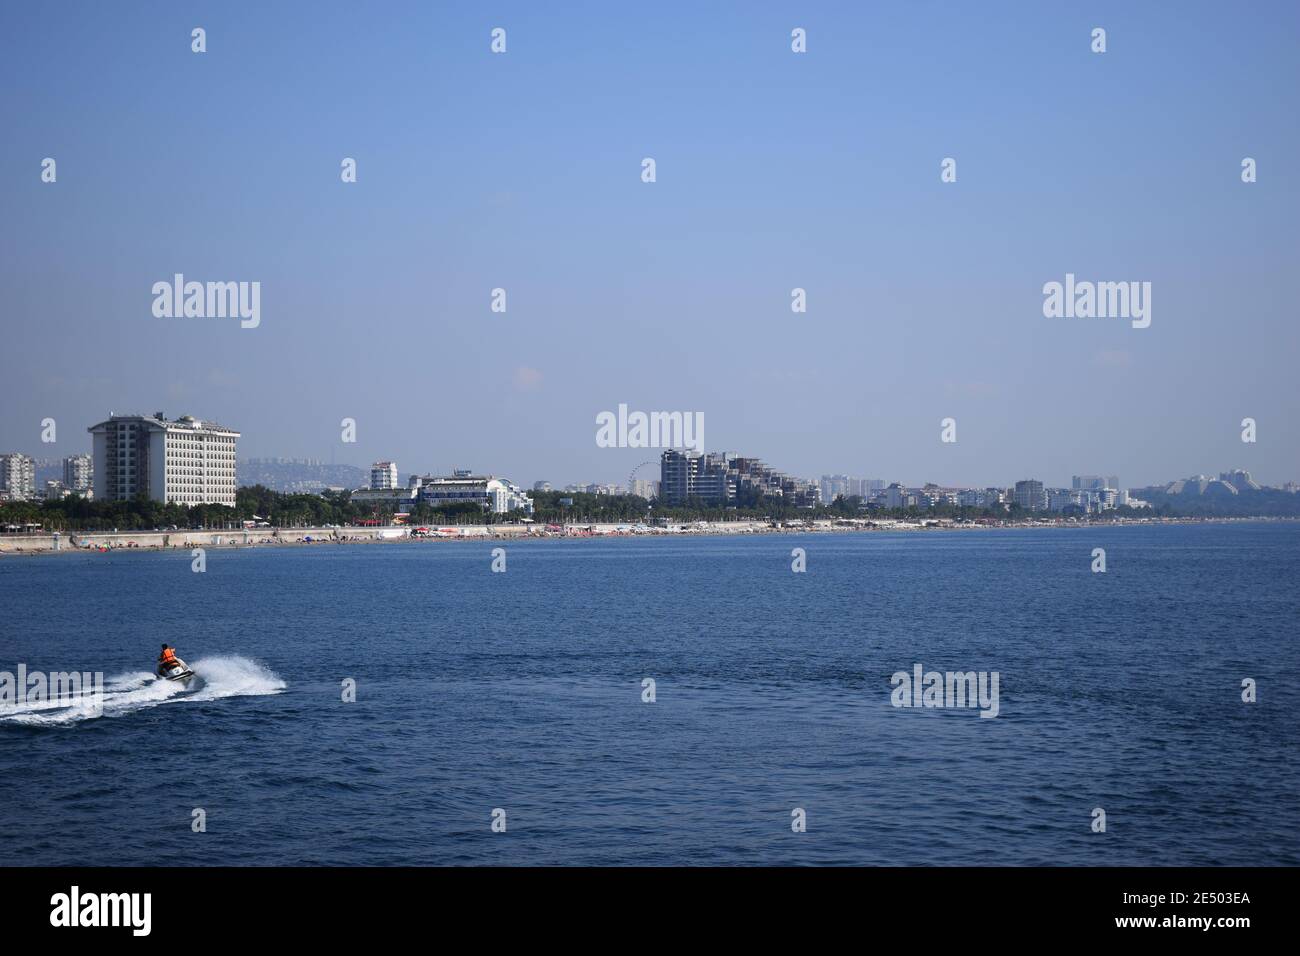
176,670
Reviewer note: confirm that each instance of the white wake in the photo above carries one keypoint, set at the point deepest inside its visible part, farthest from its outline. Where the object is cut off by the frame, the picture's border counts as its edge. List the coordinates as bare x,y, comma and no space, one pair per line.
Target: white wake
215,678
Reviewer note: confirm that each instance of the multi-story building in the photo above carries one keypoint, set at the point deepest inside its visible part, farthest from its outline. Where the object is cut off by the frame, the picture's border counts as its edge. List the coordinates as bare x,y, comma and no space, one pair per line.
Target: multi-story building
541,486
1029,495
54,489
896,496
932,496
1069,499
723,479
833,486
1239,479
1094,482
836,486
981,497
383,474
753,478
498,495
79,473
643,488
677,476
17,477
186,461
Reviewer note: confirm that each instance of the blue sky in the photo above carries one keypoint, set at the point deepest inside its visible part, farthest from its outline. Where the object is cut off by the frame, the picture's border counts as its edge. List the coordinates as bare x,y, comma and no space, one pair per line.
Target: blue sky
775,171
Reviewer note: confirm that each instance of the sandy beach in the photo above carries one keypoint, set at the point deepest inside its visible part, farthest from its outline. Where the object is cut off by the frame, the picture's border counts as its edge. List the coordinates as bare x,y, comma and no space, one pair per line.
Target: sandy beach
98,542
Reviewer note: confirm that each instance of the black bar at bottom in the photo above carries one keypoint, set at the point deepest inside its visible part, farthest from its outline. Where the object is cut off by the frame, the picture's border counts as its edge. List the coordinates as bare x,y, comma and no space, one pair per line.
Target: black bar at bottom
332,905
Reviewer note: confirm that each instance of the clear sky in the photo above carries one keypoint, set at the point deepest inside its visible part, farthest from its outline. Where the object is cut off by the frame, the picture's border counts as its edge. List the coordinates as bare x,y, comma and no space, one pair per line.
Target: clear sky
775,170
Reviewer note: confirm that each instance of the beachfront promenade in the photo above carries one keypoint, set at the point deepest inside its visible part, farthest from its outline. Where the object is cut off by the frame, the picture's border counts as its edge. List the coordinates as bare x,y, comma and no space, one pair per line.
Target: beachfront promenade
271,537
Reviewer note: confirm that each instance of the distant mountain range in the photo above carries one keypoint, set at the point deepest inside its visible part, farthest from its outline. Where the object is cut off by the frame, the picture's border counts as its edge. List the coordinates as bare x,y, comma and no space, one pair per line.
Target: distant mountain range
295,475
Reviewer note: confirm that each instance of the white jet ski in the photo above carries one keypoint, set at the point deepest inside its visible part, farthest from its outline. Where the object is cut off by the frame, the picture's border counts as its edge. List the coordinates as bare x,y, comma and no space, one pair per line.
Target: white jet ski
176,670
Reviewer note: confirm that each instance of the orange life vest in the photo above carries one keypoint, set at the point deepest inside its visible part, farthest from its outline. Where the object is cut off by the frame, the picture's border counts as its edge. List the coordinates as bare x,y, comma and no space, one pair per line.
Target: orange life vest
168,656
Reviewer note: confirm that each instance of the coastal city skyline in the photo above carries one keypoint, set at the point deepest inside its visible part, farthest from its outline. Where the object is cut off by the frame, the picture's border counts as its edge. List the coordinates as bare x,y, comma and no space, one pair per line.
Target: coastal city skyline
508,274
623,460
195,461
856,480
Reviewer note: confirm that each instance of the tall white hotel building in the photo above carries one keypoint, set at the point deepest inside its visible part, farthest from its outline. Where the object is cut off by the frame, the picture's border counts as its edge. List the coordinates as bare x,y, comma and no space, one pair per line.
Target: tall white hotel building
186,461
383,475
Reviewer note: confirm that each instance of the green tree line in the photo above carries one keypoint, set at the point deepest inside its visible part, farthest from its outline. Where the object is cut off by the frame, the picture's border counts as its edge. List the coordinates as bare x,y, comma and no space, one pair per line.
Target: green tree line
285,510
253,503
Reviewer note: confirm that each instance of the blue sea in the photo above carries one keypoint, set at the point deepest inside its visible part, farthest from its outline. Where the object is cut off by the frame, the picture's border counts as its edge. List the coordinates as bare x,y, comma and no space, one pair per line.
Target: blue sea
522,691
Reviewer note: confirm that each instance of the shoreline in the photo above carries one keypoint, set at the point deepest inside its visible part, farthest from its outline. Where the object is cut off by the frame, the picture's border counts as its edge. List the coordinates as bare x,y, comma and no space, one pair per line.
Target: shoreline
155,541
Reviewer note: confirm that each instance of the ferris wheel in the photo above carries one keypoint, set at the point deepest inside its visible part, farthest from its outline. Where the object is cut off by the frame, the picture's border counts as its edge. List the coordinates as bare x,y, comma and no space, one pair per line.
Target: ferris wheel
632,475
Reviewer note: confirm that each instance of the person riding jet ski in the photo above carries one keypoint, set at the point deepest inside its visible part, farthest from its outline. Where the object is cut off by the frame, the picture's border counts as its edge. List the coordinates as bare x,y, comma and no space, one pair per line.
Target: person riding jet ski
172,667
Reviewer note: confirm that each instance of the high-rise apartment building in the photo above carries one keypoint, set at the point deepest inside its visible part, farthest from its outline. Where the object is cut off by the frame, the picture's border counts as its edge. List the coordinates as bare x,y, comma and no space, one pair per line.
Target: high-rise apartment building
1030,496
186,461
720,478
17,476
79,473
644,488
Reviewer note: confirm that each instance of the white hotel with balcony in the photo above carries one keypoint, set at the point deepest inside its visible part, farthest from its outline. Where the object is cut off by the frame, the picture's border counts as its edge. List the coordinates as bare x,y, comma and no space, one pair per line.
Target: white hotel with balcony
498,495
186,461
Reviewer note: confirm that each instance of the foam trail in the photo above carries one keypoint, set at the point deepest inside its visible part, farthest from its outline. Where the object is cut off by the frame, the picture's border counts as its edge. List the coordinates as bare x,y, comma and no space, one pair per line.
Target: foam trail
233,677
216,677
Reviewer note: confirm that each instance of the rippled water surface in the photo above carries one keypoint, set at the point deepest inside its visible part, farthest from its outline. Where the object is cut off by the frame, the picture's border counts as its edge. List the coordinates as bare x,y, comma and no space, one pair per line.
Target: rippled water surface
523,691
